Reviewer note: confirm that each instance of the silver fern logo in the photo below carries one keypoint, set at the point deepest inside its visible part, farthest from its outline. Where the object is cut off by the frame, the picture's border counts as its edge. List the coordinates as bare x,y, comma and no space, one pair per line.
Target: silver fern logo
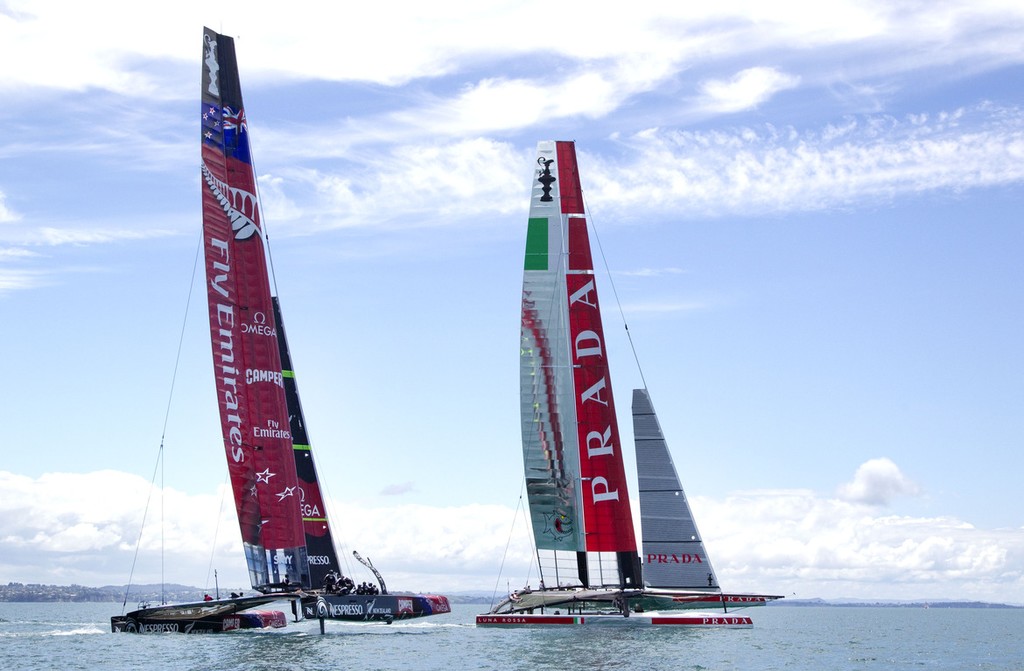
238,204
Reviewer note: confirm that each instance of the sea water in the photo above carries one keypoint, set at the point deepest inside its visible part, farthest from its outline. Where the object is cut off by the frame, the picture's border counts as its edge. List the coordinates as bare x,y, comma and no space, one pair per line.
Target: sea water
77,636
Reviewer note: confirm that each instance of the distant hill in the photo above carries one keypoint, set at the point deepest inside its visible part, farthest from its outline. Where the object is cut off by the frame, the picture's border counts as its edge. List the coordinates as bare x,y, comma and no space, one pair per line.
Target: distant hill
16,591
32,592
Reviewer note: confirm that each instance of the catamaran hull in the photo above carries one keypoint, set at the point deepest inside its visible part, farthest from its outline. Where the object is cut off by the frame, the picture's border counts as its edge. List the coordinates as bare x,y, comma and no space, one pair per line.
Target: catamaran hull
706,620
653,601
373,607
202,617
262,619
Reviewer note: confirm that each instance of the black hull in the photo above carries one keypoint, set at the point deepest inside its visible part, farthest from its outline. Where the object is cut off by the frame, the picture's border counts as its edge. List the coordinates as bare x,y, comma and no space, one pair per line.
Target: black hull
211,625
201,617
373,607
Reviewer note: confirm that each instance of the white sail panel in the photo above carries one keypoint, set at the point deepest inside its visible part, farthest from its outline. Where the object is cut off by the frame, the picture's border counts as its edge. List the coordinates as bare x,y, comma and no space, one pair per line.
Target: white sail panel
673,552
550,450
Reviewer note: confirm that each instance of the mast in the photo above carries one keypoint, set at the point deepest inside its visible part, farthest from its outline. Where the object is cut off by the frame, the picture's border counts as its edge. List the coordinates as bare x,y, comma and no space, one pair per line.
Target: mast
247,363
575,477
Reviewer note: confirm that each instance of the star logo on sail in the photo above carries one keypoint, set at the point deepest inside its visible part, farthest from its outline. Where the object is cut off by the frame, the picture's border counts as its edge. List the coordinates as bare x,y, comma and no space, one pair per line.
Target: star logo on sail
288,491
557,525
265,476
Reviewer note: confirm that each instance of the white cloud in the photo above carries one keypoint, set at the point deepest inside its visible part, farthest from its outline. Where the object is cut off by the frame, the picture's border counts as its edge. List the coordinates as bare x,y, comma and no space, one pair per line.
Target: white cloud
64,236
83,528
16,279
409,185
653,41
17,253
877,482
798,542
650,272
769,169
749,171
6,213
746,89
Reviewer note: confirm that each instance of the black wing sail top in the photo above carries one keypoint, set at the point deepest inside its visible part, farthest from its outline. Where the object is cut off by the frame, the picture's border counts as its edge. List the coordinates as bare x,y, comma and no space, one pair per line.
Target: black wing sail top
322,556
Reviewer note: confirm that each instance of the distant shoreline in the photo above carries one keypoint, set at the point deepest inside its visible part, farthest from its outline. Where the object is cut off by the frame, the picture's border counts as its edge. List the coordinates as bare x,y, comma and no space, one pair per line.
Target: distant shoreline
38,593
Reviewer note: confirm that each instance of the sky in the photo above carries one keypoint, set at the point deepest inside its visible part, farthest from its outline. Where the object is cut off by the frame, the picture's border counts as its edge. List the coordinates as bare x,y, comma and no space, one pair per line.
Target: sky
808,218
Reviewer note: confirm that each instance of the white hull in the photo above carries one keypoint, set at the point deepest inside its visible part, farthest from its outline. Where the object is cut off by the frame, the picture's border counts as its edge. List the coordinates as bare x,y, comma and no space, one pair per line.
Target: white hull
690,619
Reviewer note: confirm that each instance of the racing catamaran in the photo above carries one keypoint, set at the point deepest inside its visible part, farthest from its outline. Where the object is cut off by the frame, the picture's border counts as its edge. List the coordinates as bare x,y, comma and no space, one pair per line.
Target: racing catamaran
286,535
581,518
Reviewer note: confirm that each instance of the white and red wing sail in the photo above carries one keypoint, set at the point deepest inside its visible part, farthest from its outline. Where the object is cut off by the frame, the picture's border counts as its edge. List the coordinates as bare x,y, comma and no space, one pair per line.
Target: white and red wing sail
575,476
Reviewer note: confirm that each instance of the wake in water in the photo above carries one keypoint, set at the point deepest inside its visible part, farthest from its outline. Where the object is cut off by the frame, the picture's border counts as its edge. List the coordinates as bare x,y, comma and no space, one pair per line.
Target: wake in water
80,631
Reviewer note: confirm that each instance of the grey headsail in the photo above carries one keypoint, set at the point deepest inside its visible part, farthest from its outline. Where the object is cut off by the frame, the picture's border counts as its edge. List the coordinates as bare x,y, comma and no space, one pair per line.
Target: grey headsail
673,552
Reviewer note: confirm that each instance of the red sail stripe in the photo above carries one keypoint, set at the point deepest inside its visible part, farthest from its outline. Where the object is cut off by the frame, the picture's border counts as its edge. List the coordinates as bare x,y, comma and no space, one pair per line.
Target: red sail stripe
250,393
606,508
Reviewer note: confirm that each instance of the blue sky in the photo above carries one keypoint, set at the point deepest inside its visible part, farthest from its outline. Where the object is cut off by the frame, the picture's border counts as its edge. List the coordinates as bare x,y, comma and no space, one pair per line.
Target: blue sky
810,216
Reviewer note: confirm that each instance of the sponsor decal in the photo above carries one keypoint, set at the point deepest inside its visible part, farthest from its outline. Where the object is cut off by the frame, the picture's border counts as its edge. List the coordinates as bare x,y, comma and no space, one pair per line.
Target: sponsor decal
373,609
685,558
558,525
439,604
224,347
212,66
726,620
259,326
252,376
519,619
606,503
239,205
545,178
271,430
586,344
319,560
342,609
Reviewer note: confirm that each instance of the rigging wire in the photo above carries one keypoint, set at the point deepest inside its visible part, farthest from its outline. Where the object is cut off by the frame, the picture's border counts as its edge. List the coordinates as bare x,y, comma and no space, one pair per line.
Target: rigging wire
536,551
216,531
163,509
343,555
611,281
508,543
145,512
160,451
